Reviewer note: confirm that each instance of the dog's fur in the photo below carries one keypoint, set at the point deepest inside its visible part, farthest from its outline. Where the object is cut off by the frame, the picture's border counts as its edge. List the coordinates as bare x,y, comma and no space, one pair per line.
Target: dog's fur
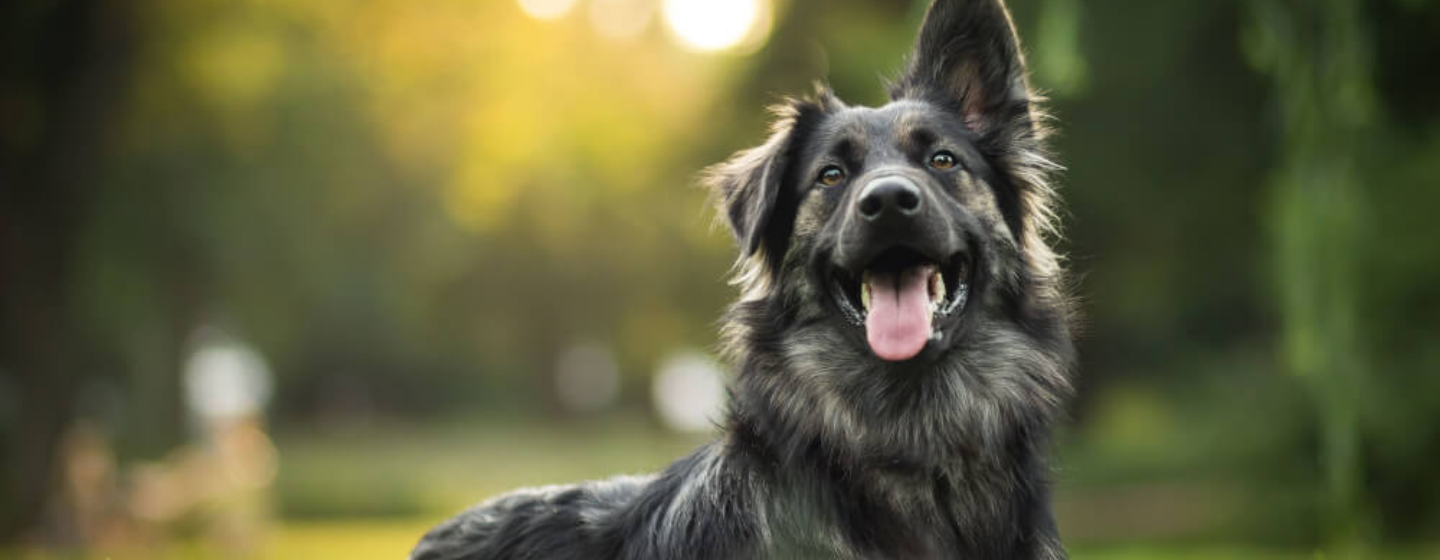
829,451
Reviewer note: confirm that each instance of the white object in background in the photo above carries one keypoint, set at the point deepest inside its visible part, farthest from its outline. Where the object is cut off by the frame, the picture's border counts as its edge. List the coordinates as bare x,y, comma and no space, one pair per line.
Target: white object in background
689,392
225,379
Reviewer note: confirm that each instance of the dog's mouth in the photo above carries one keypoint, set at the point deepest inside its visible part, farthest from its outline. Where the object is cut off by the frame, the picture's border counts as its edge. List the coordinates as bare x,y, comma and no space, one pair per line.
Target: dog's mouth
901,297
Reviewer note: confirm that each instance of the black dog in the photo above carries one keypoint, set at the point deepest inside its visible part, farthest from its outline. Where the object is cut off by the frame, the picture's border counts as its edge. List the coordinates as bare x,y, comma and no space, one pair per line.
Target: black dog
902,340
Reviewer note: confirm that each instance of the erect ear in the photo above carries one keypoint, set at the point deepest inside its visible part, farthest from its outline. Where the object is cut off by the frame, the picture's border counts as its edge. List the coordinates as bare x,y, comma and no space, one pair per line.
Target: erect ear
749,187
968,57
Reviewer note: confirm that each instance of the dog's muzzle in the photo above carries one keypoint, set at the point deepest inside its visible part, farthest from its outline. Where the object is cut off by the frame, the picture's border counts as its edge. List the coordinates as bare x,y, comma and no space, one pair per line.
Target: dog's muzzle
901,261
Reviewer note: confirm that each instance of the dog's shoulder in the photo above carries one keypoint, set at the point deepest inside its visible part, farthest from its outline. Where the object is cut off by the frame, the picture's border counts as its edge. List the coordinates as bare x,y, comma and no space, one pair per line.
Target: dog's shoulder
704,506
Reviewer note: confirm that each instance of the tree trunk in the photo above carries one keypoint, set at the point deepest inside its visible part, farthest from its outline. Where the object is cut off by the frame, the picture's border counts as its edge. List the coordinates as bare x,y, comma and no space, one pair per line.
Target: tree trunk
61,71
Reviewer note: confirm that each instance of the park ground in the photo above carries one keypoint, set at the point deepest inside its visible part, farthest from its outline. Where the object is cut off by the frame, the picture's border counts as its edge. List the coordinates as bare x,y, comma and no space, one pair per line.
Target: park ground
369,492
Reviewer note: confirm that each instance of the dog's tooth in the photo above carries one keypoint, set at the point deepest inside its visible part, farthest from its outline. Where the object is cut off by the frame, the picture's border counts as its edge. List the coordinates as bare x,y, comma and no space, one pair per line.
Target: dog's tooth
961,293
937,288
865,294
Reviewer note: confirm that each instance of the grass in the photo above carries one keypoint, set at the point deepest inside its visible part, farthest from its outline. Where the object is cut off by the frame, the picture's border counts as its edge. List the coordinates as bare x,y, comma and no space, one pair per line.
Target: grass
400,472
350,540
392,539
370,493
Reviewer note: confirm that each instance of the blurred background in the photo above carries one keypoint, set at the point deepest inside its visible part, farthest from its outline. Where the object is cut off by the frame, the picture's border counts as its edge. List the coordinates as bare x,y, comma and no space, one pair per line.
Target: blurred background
301,278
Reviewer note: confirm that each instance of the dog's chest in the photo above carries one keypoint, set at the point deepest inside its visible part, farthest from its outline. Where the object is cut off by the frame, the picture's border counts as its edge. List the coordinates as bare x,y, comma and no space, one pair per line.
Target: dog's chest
814,521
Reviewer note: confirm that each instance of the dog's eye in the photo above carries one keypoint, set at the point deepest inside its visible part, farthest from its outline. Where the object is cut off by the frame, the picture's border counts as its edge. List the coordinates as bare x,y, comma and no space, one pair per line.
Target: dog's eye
942,160
831,176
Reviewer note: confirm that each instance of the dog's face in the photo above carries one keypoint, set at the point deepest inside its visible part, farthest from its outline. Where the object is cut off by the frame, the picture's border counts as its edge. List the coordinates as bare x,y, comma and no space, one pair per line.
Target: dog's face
898,208
893,258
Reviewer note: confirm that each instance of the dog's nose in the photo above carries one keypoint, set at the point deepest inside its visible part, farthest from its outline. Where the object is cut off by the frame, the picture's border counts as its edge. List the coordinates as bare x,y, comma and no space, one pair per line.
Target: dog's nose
888,198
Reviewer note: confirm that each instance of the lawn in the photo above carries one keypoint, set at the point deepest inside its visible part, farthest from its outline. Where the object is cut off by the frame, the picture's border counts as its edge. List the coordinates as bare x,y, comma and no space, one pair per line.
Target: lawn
369,492
392,539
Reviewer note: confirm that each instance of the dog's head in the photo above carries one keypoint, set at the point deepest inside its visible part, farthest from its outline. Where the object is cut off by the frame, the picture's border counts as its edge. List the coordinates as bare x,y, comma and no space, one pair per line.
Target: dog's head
903,248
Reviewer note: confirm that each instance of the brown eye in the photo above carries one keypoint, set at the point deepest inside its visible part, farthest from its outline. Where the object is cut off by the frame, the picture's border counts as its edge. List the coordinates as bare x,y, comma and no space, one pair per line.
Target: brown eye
942,160
831,176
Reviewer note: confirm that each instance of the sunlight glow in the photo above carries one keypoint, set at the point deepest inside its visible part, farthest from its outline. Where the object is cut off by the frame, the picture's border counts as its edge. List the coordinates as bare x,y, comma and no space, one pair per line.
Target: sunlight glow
621,19
714,25
546,9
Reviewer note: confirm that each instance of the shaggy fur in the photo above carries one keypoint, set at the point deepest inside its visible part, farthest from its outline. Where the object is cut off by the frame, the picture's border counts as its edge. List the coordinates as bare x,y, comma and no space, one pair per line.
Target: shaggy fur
829,451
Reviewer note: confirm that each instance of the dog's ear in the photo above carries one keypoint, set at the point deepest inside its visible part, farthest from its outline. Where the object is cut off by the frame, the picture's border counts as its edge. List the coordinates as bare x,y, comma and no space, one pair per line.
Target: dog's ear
749,187
968,57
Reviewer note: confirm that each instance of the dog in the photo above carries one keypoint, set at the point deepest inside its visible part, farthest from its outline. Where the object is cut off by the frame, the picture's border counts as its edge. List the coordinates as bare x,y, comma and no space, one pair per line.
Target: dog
902,340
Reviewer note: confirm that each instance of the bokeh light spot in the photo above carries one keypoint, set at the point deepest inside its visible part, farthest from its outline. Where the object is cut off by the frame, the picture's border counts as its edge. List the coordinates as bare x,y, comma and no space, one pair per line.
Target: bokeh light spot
621,19
546,9
689,392
587,379
714,25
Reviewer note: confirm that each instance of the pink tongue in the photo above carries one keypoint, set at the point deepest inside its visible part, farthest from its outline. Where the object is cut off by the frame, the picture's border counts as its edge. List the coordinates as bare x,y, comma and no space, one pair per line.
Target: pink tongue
899,321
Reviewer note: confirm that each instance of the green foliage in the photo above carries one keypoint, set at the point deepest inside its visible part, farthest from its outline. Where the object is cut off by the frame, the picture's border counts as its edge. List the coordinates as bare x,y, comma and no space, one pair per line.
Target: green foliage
1317,57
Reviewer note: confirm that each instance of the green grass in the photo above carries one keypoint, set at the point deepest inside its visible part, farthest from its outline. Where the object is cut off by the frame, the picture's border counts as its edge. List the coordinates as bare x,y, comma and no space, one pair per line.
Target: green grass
391,540
400,472
359,494
1221,552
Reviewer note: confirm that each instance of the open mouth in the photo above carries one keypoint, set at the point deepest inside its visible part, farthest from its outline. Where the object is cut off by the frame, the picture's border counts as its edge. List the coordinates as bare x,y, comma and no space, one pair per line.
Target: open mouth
900,297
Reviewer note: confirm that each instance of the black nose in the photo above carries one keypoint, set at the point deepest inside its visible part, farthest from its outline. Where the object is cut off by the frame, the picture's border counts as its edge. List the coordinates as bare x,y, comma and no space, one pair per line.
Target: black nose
888,198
